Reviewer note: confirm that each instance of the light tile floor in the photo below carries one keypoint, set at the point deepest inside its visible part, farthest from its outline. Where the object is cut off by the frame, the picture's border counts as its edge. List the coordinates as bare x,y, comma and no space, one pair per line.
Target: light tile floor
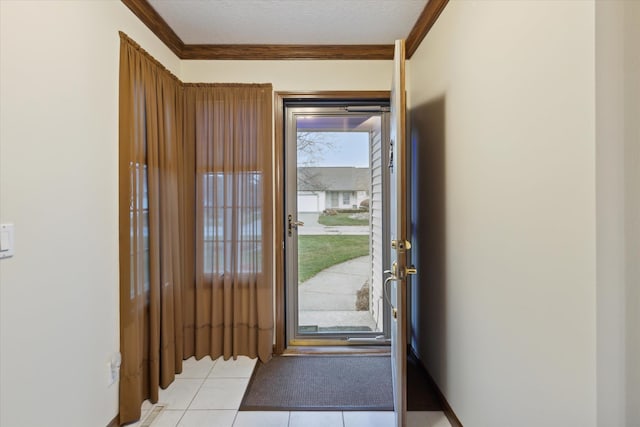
208,394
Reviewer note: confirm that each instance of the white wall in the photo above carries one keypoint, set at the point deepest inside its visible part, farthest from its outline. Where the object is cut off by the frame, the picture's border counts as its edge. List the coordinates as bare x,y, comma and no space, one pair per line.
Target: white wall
59,186
293,75
502,109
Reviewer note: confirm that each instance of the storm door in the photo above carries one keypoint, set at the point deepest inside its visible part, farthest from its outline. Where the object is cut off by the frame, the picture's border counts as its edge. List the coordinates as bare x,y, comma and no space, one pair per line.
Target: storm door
335,224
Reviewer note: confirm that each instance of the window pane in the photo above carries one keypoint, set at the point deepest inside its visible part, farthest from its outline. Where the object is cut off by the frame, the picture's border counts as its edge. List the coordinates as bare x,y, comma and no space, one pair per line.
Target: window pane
231,221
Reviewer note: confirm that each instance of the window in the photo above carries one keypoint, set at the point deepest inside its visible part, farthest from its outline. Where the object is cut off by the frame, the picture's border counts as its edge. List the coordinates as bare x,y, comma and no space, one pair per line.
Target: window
139,228
232,222
333,199
346,198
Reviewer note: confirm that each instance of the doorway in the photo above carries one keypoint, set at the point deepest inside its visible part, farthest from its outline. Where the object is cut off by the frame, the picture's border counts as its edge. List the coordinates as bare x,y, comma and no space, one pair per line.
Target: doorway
336,182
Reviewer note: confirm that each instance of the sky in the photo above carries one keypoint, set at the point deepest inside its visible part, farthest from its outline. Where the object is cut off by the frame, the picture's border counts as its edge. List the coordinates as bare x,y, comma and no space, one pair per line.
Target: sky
346,149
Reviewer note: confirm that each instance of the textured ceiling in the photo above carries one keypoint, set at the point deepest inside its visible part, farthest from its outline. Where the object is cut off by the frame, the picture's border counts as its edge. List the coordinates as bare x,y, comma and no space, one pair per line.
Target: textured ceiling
331,22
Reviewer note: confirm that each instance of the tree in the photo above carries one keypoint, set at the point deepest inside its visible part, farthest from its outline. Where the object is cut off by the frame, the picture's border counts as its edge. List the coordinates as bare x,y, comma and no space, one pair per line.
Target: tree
311,146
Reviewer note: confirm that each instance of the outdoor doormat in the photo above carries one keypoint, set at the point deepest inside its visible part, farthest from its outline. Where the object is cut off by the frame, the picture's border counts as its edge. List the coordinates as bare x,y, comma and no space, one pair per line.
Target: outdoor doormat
321,383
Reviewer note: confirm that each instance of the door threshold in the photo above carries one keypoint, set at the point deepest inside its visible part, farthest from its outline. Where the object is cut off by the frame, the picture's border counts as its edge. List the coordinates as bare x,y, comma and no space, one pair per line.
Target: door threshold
360,350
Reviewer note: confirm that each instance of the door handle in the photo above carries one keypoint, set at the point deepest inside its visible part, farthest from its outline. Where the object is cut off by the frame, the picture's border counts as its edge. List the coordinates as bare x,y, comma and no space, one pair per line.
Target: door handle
291,224
393,277
387,281
403,273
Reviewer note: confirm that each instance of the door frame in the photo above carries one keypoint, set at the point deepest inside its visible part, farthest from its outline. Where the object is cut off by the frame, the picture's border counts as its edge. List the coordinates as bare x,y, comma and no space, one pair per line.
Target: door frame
279,189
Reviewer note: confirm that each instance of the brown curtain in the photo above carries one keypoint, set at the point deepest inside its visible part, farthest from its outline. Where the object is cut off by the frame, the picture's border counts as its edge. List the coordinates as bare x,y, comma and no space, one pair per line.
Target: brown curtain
231,127
151,257
190,287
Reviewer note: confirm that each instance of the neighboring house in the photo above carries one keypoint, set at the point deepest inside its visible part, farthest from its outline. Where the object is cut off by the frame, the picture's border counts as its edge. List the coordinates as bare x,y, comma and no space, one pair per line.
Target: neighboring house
321,188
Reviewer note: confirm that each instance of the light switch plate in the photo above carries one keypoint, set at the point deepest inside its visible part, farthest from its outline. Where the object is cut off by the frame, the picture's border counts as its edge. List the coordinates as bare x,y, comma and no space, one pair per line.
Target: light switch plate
6,240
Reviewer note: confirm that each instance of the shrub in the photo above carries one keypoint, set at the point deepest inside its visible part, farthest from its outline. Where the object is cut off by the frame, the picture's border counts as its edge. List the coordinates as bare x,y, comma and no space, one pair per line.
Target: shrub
356,210
362,297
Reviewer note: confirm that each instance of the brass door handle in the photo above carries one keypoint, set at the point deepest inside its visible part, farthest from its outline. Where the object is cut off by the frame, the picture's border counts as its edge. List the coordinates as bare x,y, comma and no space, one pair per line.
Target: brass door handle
291,224
403,273
387,281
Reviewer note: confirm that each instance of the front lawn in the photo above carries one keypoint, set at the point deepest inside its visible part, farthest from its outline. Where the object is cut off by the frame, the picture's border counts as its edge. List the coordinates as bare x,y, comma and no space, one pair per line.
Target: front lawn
345,219
316,253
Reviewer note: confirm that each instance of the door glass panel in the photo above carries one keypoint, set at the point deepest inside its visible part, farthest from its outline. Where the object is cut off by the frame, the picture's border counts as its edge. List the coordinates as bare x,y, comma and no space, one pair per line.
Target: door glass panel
336,293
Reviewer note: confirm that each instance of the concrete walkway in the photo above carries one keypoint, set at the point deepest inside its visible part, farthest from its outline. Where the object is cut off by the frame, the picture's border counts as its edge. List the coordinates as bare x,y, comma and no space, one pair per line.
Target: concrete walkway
328,299
311,227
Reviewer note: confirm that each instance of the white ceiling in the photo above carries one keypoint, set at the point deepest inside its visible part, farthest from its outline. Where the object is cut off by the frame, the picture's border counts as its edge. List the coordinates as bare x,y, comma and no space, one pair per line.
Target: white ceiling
333,22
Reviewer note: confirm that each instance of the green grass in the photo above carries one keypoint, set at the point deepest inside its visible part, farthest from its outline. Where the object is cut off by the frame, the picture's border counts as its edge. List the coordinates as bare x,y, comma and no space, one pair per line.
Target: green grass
342,219
316,253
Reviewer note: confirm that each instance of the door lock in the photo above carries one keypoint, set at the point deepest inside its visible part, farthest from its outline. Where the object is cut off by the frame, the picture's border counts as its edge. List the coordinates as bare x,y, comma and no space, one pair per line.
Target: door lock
291,225
401,245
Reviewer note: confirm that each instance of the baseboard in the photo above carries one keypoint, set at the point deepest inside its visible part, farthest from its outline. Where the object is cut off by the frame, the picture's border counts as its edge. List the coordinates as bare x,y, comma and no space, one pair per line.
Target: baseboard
446,408
115,422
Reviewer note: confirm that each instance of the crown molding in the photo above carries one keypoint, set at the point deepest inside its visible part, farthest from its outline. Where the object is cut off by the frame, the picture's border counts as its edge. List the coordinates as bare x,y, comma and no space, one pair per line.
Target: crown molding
427,18
152,19
262,52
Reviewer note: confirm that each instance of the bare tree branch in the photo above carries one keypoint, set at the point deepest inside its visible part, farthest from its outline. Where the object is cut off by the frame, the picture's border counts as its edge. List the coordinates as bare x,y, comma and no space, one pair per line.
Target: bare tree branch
311,146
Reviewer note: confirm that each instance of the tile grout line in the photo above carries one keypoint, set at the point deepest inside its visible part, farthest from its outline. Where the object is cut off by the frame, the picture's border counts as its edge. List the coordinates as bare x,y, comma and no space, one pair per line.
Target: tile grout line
189,405
196,393
203,379
245,390
208,377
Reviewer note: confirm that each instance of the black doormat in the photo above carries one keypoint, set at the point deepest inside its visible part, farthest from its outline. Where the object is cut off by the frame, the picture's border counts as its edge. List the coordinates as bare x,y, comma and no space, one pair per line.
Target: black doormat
321,383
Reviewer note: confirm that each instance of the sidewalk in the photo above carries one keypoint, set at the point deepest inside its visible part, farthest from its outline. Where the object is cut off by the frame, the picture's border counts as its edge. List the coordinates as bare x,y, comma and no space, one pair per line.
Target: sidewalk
328,299
312,227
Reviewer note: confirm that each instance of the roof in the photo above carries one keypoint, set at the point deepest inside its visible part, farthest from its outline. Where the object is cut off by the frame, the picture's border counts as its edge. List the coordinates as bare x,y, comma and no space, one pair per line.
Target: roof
333,179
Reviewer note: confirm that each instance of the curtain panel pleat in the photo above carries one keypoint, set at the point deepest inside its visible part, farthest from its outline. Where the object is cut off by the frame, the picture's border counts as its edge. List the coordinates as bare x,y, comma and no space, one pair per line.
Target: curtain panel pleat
231,127
195,209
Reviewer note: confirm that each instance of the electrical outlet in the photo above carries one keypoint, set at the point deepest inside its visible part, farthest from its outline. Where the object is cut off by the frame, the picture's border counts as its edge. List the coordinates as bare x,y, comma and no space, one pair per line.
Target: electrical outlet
113,369
109,377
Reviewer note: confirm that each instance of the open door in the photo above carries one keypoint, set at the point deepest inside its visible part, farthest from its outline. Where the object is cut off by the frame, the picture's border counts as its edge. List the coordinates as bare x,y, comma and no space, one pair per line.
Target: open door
396,283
